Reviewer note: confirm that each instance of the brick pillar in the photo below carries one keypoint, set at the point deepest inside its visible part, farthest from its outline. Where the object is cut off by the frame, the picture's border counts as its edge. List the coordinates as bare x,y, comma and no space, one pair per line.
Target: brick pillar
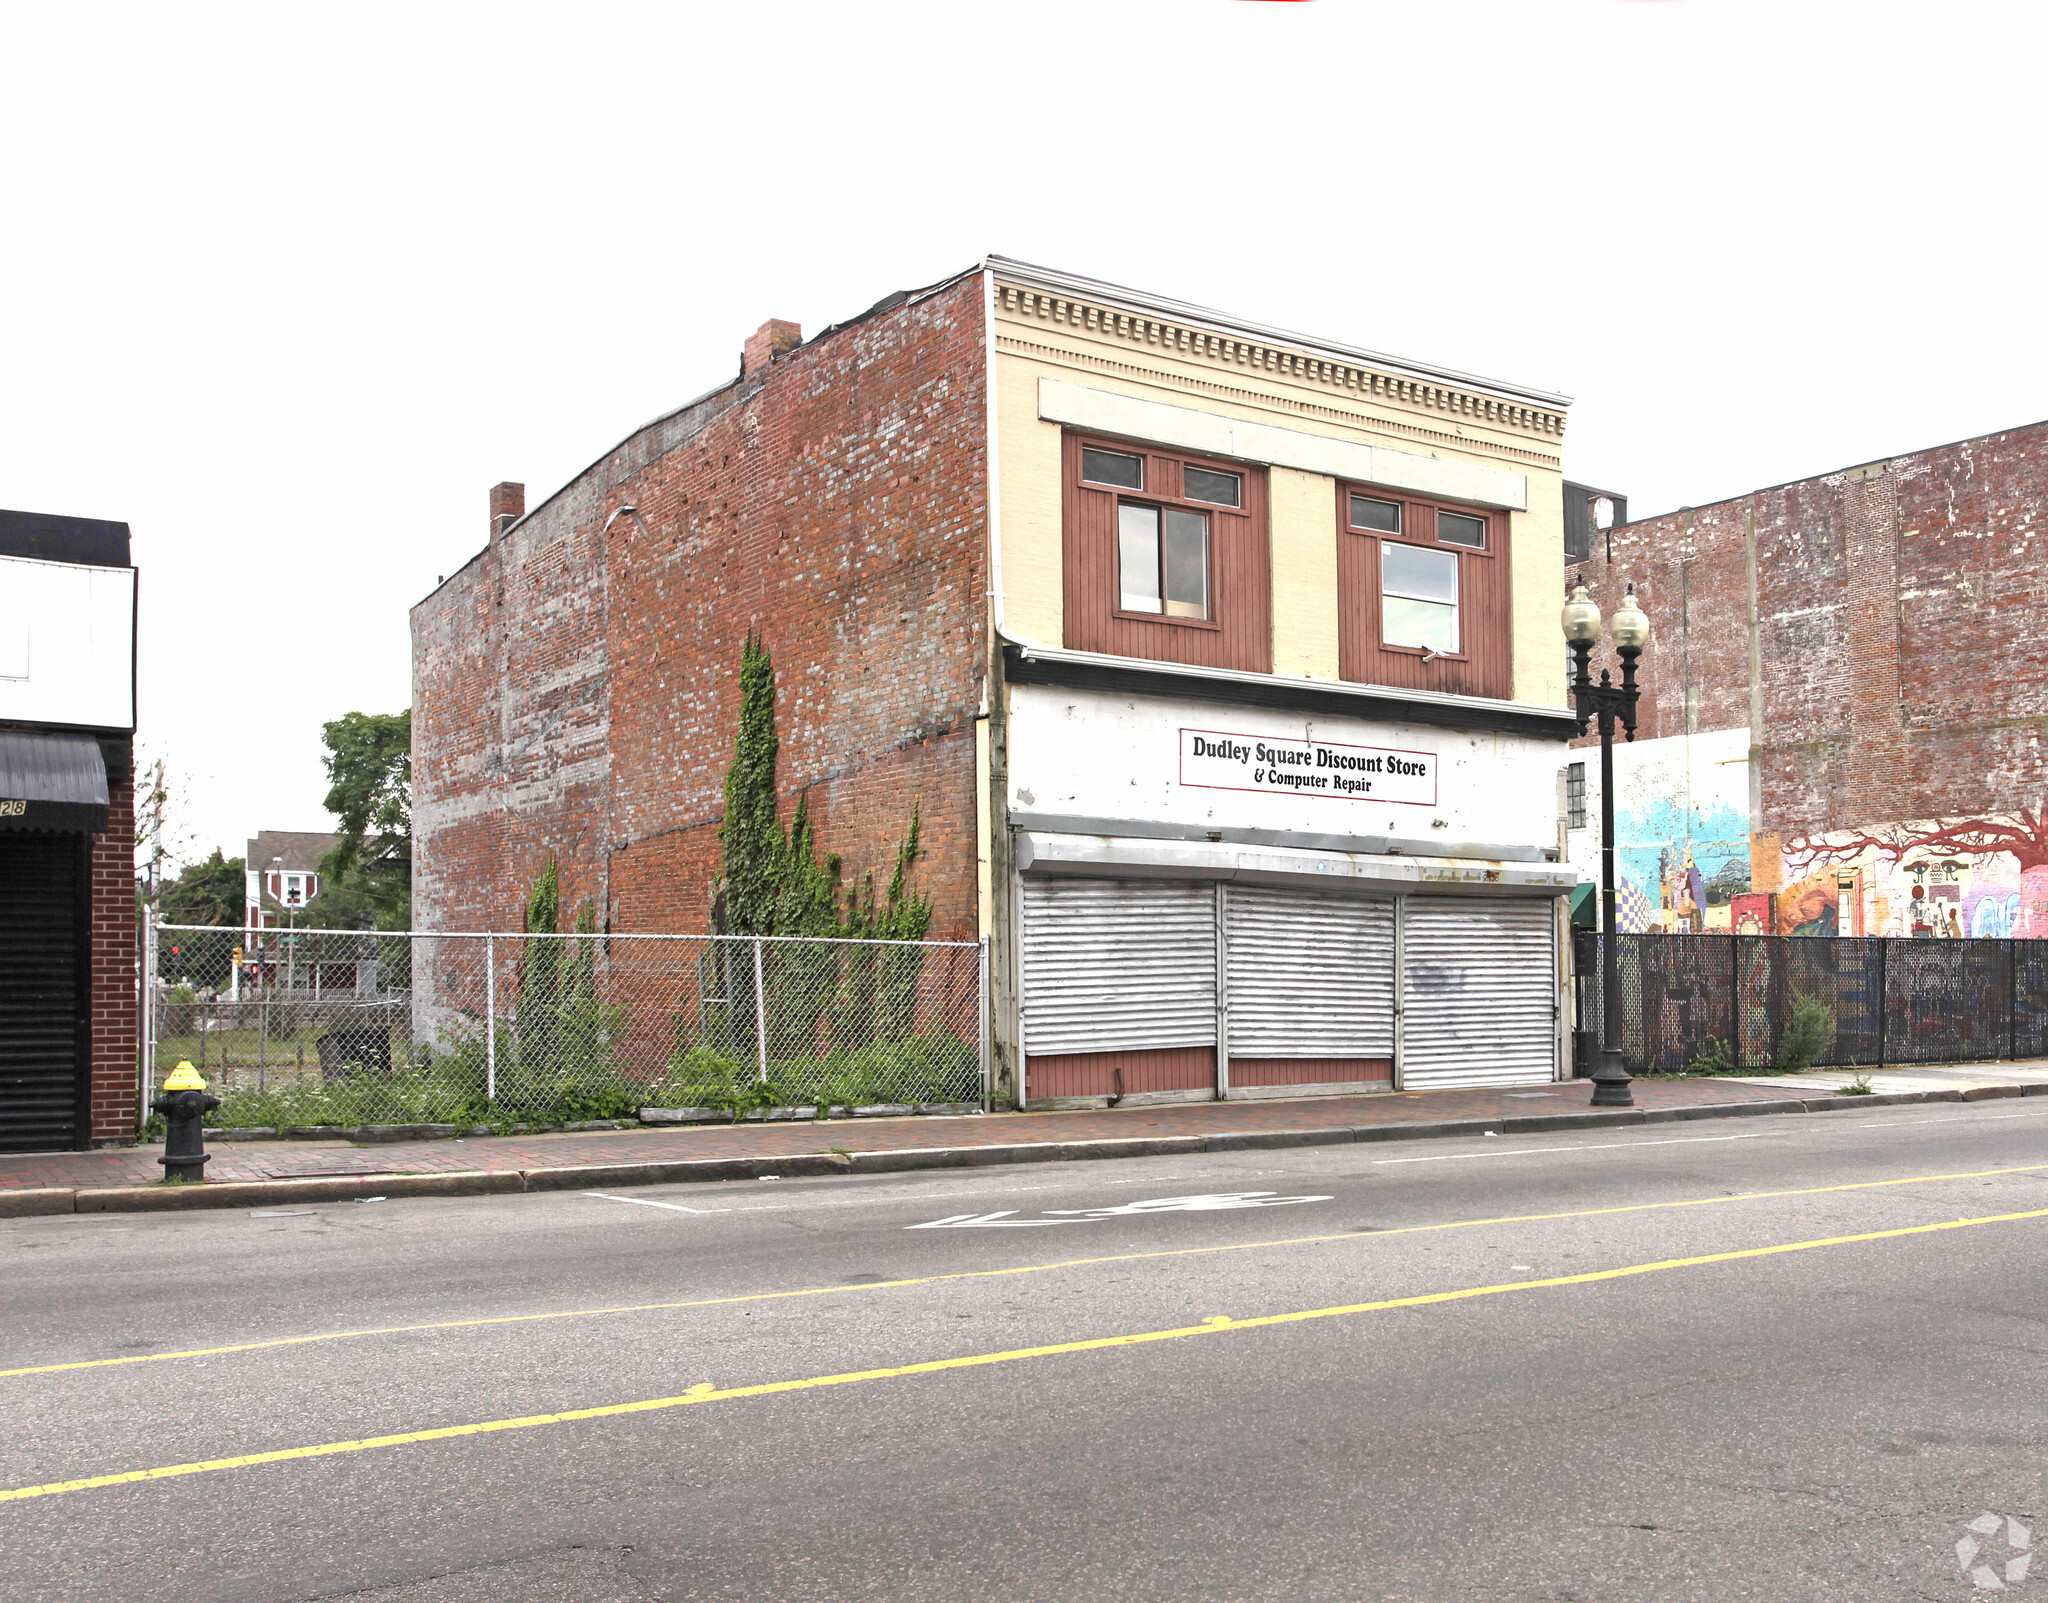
1873,781
116,988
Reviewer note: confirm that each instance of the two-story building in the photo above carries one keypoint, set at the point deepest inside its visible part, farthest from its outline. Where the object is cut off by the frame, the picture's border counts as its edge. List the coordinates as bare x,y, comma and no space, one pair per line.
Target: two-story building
1222,664
68,993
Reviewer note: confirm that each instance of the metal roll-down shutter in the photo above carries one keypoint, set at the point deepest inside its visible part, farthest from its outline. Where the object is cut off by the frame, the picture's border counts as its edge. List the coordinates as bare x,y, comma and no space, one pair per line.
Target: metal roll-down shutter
1118,965
1479,992
43,925
1311,976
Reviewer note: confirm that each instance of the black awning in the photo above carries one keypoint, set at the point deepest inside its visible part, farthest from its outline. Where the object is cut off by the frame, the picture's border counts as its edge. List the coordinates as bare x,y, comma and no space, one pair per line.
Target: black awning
52,782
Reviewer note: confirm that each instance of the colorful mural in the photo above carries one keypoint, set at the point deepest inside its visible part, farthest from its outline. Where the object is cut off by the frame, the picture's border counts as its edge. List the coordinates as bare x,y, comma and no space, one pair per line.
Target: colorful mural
1690,862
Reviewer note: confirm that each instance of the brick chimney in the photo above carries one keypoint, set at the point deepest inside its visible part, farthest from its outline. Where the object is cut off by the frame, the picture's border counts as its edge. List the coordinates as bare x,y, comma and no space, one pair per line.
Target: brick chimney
508,506
766,343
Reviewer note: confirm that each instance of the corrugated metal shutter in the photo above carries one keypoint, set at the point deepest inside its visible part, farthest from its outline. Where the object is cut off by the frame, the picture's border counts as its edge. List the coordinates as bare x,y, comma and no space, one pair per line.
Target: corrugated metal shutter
1118,965
1311,976
40,1035
1479,992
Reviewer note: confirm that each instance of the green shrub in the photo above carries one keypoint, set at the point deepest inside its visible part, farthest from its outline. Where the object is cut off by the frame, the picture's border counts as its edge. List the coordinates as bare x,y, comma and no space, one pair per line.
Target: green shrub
1715,1058
1807,1036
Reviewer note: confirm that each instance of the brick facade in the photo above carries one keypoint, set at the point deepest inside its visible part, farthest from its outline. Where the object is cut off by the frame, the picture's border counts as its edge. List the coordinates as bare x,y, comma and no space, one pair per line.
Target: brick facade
116,1040
1845,695
576,684
1896,669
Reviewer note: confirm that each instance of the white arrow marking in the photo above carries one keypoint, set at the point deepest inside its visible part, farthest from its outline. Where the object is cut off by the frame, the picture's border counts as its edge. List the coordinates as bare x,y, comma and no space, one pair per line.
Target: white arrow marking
1208,1204
970,1221
1081,1216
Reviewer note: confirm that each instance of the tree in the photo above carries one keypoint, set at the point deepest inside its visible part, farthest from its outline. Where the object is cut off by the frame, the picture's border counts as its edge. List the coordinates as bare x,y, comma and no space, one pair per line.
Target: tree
775,882
209,892
366,881
750,836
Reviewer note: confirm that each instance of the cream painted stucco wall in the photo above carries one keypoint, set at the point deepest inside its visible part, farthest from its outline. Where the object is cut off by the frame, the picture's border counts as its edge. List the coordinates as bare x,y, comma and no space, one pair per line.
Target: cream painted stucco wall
1053,337
1303,518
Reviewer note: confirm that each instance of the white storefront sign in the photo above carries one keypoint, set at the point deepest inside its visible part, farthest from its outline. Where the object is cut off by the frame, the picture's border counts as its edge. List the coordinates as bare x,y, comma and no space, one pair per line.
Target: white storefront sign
1212,759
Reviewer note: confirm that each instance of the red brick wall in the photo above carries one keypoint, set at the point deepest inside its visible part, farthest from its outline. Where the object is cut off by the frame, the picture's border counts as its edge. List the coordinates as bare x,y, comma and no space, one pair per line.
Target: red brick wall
576,692
1901,671
116,1052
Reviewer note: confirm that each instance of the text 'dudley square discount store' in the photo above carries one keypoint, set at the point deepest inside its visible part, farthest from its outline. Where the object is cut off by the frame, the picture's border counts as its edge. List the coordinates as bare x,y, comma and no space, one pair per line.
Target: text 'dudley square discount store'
1218,760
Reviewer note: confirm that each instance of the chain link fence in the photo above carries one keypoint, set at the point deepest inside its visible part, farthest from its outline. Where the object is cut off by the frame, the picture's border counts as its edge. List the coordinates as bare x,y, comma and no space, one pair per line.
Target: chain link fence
350,1027
1739,1000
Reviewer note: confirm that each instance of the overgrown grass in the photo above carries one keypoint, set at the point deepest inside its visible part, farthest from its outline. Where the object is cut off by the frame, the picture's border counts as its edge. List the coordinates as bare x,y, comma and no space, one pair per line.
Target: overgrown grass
448,1087
928,1067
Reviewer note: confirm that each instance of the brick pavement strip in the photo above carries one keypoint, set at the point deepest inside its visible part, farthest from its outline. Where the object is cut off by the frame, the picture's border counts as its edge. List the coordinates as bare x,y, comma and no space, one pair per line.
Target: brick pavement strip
124,1180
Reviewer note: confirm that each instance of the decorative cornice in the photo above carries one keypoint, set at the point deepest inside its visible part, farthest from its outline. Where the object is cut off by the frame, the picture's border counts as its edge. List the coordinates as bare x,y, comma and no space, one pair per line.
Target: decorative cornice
1180,381
1186,338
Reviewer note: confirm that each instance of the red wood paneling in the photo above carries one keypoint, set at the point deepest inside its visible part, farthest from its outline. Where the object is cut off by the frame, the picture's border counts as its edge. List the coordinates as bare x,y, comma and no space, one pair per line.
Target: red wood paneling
1368,1072
1484,665
1186,1068
1240,634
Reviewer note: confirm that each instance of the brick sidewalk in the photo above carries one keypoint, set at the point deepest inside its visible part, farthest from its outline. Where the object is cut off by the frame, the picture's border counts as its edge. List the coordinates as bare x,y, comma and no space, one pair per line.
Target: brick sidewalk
294,1160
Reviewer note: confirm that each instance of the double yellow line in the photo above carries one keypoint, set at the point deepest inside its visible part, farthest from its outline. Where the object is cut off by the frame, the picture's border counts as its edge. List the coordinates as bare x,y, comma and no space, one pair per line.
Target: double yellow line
1218,1325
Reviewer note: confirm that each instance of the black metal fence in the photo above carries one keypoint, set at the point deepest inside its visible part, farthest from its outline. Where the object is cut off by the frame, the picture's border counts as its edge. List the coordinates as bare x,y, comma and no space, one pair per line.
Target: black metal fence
1688,999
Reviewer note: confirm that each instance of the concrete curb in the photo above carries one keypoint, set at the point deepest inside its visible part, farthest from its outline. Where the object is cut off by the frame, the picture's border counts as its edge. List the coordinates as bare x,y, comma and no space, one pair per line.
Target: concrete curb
594,1177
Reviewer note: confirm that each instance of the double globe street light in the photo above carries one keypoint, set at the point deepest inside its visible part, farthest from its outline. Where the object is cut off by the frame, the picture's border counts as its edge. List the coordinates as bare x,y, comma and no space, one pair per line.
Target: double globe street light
1610,703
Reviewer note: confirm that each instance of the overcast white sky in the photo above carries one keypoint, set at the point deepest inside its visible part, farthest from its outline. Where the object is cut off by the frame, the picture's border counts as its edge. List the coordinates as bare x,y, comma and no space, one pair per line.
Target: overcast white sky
287,289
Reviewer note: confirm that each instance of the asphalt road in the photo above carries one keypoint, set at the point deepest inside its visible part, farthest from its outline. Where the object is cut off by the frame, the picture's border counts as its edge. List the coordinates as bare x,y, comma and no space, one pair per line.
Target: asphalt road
856,1401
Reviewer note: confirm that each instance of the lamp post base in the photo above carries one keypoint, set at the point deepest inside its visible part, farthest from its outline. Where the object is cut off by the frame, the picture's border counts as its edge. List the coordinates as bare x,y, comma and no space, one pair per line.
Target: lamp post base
1611,1082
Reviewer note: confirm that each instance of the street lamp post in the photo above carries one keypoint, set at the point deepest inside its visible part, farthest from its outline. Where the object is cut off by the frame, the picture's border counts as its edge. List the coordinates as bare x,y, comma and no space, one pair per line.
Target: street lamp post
1609,703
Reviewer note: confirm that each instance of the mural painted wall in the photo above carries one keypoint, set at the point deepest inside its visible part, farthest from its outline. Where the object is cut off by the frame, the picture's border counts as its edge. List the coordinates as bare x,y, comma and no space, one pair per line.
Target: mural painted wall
1690,863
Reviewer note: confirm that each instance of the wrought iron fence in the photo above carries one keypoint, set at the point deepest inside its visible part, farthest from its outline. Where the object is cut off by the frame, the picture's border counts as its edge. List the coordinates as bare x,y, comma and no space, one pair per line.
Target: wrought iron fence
1688,1000
352,1027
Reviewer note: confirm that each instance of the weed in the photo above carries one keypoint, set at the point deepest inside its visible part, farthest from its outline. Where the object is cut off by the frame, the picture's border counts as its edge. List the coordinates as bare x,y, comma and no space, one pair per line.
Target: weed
1860,1086
1716,1058
1807,1036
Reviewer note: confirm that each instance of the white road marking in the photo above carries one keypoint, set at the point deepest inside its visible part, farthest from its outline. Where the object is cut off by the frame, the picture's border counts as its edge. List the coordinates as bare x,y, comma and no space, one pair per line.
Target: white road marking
1953,1118
1212,1203
836,1202
1602,1146
649,1202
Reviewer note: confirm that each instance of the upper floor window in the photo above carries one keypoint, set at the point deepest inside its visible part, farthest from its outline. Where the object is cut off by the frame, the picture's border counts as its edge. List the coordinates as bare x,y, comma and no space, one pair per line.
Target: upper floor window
1418,597
1162,560
1422,594
1165,556
1575,796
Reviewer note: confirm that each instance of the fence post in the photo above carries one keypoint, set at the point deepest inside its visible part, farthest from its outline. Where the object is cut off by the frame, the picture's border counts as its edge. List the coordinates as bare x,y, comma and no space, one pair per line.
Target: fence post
2012,998
490,1018
760,1015
986,1021
1883,996
147,1078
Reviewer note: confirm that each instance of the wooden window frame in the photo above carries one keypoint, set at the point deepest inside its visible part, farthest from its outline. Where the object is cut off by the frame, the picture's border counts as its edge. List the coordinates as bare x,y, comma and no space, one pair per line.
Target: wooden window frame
1363,595
1246,619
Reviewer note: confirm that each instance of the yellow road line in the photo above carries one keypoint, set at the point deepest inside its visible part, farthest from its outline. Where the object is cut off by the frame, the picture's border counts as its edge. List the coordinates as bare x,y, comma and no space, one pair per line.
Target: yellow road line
985,1274
705,1392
